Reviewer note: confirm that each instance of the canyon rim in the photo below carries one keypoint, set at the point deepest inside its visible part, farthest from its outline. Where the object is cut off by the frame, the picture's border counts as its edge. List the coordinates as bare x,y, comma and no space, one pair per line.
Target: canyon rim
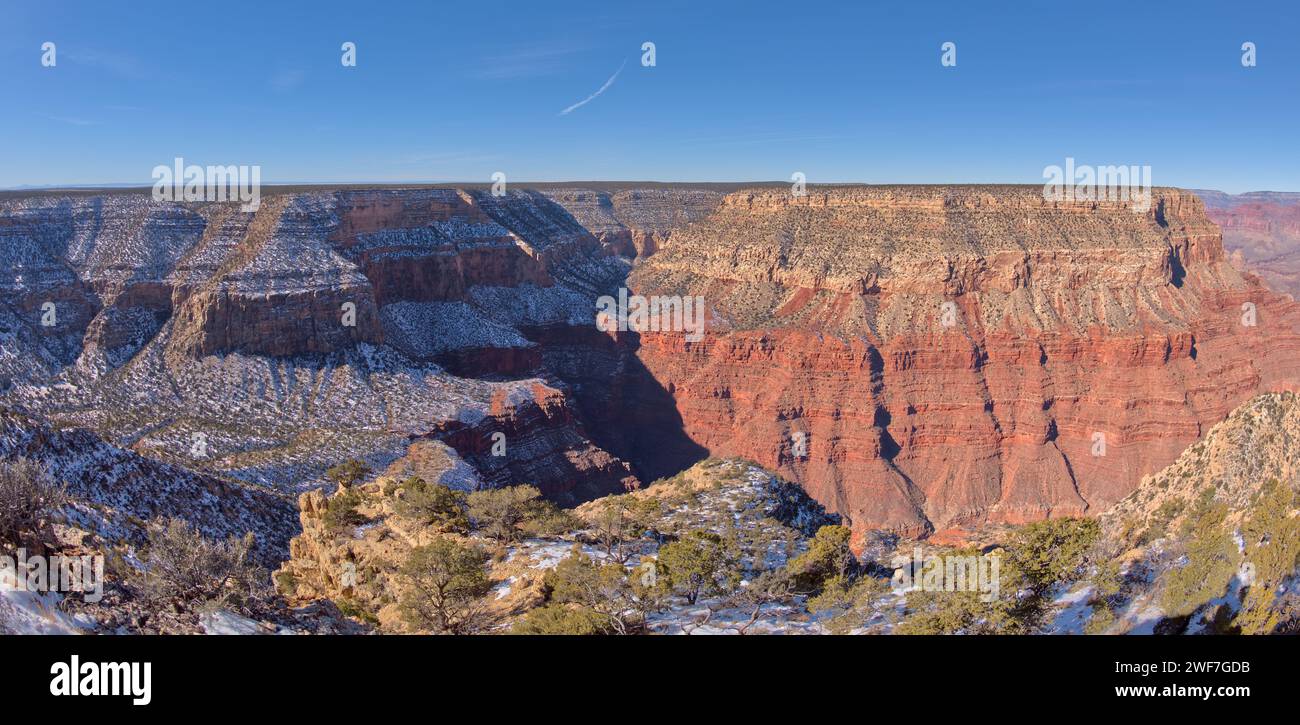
918,358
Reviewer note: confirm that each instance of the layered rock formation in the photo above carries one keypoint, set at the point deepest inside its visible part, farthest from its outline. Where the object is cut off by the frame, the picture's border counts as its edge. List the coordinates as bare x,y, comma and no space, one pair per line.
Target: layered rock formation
950,356
1257,443
1261,232
533,434
265,347
917,358
362,565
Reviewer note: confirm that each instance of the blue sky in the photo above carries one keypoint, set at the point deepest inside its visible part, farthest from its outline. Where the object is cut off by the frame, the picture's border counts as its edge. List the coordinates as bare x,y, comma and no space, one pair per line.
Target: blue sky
844,92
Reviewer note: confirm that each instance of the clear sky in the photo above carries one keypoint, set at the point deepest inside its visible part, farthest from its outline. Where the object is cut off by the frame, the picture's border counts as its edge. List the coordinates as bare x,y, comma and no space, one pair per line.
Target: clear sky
741,91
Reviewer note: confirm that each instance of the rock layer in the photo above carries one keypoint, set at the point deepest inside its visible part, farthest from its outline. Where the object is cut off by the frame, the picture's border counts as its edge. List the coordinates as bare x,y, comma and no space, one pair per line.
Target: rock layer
917,357
951,356
1261,232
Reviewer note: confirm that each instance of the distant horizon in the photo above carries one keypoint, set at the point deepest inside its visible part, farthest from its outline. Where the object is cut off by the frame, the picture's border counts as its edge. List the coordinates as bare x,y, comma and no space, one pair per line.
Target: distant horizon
130,186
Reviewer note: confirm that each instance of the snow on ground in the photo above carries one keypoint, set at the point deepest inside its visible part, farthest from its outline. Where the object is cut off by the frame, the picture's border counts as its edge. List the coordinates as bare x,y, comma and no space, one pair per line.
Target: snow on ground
424,329
1074,611
696,620
503,589
226,622
548,553
1231,599
1144,614
28,612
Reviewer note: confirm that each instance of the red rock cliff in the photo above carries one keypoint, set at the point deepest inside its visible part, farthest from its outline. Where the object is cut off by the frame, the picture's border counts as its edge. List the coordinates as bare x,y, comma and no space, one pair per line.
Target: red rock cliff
957,355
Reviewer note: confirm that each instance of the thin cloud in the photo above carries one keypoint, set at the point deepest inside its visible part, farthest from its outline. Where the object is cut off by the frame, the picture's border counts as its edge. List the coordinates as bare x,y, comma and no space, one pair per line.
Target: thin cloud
72,120
118,64
593,96
527,62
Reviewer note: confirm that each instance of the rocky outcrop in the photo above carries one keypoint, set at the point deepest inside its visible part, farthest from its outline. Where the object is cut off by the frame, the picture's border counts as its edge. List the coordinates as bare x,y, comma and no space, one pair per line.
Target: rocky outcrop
1211,543
531,434
635,222
1257,443
360,566
279,292
950,356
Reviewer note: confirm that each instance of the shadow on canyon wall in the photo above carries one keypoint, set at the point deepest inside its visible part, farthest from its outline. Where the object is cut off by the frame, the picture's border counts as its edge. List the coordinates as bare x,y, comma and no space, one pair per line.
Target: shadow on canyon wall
623,408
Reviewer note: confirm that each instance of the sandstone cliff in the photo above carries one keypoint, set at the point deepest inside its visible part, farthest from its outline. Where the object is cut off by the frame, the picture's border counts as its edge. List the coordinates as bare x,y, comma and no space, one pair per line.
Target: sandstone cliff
918,358
953,353
1261,232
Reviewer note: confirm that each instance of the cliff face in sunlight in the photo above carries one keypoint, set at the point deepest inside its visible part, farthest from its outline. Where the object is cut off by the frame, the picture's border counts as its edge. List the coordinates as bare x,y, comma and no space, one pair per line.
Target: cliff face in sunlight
1261,233
917,358
950,356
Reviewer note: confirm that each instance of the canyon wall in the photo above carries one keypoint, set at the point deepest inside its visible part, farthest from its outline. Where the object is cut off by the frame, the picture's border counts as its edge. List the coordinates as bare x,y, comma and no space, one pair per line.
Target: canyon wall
918,358
922,358
1261,233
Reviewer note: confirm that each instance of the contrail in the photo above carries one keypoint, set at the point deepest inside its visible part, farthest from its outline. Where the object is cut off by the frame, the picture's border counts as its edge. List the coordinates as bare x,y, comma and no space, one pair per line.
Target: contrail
592,97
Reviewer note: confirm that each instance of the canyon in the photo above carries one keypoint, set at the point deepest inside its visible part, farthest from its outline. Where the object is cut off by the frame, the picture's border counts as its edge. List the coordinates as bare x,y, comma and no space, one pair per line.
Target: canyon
920,359
1261,232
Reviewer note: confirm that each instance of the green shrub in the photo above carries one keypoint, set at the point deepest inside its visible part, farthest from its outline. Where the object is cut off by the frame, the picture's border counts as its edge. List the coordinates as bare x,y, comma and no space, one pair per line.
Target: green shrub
828,557
350,608
348,473
286,583
850,605
1272,538
701,563
1101,620
1212,560
447,582
561,619
955,612
341,511
547,519
433,504
1053,551
622,599
1035,559
179,564
27,498
622,518
501,513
